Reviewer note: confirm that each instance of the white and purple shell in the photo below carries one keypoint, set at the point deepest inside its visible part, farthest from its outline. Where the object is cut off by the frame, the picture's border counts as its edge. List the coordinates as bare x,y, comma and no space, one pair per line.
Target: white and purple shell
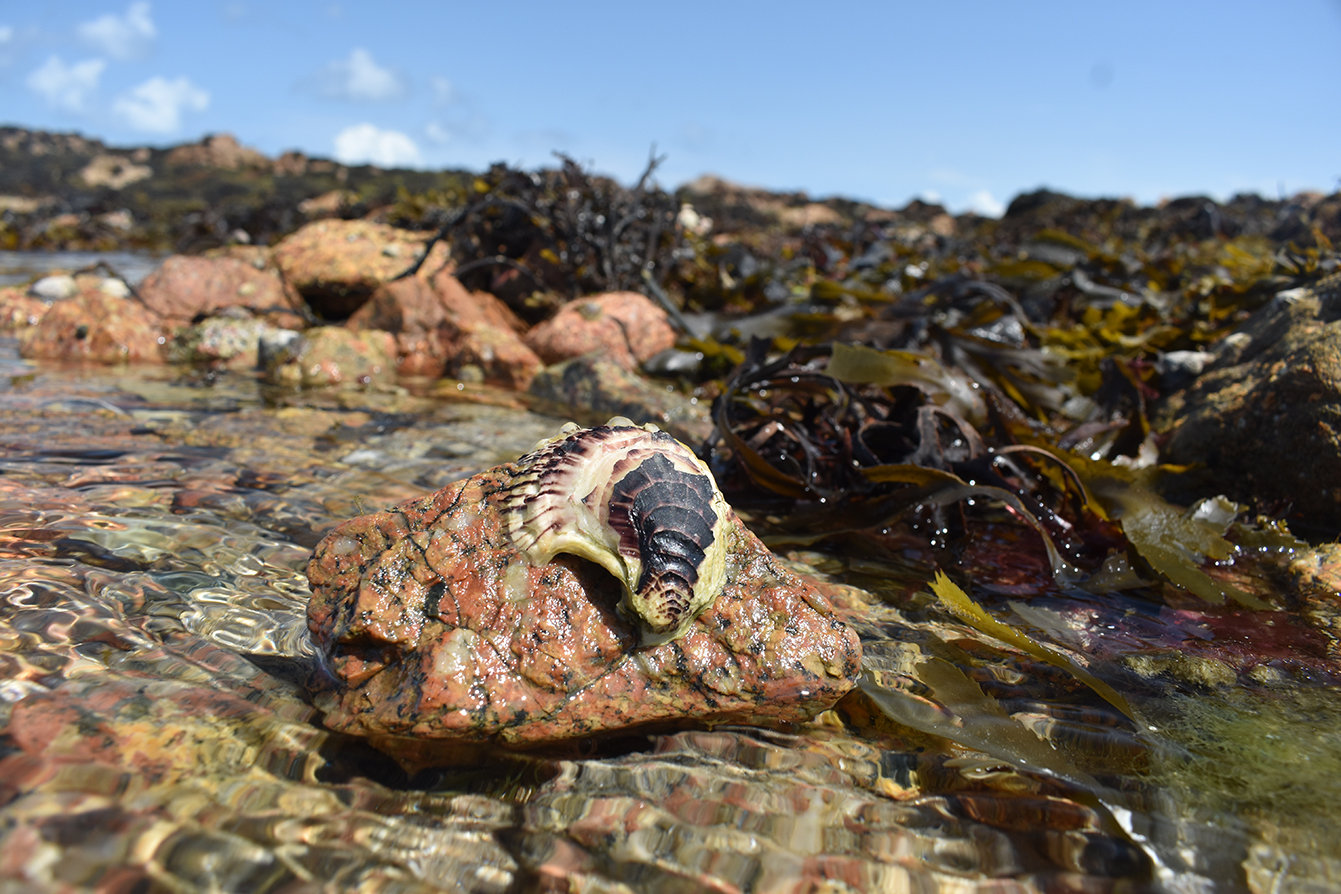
635,501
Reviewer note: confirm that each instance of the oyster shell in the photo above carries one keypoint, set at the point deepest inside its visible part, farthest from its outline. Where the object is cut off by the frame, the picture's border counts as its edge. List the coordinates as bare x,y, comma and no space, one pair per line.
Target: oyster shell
635,501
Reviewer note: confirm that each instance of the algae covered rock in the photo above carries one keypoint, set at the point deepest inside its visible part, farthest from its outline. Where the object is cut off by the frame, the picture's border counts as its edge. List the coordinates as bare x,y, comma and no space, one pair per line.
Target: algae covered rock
436,627
1274,391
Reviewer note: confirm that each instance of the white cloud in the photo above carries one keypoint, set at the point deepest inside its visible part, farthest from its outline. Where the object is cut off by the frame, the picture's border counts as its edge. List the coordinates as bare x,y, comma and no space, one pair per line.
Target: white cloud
367,144
985,204
359,78
157,104
66,86
121,37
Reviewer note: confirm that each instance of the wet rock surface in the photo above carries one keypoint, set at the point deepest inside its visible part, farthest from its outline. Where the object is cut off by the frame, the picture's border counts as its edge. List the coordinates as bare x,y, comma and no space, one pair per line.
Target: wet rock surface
437,628
1265,416
232,340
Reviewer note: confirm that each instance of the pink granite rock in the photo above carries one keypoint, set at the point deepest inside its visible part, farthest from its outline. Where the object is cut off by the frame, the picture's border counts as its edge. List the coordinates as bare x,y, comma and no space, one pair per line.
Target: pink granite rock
436,629
336,265
412,311
470,309
95,327
187,287
441,328
482,332
624,327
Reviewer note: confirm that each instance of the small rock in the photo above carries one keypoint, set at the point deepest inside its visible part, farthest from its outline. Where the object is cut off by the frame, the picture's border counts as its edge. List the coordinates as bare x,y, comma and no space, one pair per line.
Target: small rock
333,355
56,287
97,328
624,327
1200,670
328,204
599,388
405,305
221,341
500,356
186,287
435,628
482,333
117,288
336,265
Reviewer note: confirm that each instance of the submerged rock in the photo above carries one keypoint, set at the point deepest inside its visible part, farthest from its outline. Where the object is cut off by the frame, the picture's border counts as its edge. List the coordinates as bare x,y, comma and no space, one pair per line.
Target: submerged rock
436,627
1273,391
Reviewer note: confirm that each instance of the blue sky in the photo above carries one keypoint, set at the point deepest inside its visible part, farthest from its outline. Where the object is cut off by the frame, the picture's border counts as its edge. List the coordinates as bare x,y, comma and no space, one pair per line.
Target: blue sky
962,101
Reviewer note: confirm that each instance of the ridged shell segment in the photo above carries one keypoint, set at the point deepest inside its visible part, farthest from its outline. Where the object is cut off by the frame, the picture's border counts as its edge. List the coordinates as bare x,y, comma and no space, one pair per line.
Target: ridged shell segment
638,503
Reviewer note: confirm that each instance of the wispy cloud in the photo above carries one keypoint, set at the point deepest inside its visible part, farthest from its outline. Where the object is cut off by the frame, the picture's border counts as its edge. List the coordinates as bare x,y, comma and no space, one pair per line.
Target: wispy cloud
368,144
6,33
122,37
360,79
157,104
64,86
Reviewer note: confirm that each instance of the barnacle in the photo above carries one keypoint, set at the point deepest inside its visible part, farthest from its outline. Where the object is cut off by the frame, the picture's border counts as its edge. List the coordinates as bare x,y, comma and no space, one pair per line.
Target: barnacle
635,501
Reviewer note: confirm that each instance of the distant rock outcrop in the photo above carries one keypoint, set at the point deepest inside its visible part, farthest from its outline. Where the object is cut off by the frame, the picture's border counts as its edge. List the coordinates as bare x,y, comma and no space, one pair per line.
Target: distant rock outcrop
220,150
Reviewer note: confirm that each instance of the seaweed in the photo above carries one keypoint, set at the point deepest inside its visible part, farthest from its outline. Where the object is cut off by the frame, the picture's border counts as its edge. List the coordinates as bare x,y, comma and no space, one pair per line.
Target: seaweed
965,609
565,232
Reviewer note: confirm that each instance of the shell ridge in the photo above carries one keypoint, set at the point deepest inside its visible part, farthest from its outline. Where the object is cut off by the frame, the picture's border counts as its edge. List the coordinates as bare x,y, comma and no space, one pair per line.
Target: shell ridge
637,502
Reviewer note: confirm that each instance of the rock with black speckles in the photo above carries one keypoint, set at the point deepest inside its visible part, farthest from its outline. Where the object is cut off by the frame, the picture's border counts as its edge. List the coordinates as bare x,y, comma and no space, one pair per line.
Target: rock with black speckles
436,629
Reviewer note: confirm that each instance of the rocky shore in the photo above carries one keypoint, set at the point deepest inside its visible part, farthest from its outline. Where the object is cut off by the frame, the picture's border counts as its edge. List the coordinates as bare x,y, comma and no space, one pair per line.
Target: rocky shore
273,620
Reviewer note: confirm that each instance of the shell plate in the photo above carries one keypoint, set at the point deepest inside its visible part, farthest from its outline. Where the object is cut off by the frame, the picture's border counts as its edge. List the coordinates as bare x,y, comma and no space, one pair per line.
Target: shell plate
638,503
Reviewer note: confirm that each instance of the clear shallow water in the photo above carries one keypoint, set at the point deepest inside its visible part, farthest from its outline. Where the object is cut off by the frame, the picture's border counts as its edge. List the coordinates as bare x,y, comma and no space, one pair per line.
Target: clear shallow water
158,731
18,267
